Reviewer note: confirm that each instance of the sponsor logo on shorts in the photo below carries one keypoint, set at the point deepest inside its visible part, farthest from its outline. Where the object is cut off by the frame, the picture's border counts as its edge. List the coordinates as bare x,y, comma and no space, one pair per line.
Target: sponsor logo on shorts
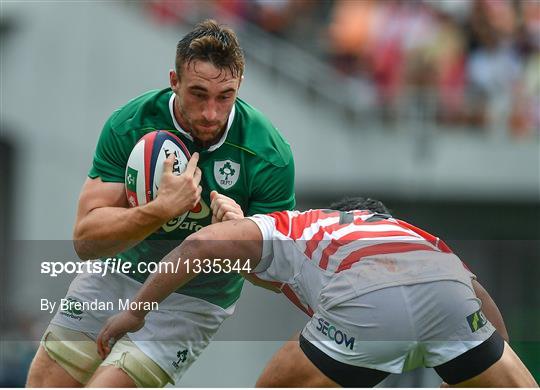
182,357
476,320
70,307
333,333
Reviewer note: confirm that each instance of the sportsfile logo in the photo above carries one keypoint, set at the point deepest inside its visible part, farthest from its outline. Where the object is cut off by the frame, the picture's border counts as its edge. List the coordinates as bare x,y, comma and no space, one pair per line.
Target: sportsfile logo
335,334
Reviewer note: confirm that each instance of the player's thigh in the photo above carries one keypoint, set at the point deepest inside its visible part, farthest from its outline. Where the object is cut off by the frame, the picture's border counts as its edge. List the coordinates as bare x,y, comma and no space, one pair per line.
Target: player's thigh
289,367
67,351
163,350
464,348
66,357
128,366
81,309
110,376
175,335
45,372
508,371
456,337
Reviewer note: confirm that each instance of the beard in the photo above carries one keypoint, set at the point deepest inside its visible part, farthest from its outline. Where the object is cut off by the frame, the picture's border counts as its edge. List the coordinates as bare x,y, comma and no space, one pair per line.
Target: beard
204,133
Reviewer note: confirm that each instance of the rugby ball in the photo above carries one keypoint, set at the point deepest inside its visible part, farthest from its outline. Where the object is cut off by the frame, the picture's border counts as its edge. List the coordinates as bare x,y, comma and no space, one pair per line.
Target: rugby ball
145,165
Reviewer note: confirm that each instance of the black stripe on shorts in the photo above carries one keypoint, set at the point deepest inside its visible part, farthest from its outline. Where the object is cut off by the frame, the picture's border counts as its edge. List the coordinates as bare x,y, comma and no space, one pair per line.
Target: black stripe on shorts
473,362
345,375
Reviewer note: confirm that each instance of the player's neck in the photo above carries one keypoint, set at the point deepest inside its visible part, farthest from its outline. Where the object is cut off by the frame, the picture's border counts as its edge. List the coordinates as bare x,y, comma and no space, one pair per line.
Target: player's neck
207,144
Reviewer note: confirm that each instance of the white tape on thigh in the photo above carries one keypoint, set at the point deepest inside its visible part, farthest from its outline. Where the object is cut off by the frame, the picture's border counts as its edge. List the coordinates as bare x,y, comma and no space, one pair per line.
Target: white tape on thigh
74,351
140,368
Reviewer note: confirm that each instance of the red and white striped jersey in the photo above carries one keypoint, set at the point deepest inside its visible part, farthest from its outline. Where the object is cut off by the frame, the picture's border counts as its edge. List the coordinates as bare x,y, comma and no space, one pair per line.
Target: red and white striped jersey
326,256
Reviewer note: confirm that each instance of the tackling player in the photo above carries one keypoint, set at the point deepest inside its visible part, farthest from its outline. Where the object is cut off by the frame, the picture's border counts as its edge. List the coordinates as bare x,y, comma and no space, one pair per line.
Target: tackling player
384,297
240,166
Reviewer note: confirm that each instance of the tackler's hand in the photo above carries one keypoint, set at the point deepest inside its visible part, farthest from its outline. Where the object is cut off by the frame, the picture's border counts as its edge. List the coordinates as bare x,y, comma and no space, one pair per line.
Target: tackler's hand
224,208
115,328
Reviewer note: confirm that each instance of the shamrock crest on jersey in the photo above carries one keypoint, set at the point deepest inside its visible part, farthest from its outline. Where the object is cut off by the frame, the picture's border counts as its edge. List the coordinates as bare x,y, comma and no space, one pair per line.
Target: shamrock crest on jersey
226,173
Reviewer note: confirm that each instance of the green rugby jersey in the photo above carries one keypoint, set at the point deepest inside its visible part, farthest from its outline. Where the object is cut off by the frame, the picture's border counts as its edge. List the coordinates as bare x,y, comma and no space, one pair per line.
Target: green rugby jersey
252,164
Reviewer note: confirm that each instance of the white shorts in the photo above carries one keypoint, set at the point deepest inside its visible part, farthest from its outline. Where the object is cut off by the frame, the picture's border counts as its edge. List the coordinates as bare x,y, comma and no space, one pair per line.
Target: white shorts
400,328
173,336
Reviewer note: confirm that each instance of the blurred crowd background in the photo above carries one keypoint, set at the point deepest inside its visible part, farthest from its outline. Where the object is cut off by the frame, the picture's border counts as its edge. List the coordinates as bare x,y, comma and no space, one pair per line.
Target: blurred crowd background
476,61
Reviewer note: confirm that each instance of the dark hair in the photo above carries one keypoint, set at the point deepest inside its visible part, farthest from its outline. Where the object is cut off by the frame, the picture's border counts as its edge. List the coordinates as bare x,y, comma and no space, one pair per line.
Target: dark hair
360,203
211,42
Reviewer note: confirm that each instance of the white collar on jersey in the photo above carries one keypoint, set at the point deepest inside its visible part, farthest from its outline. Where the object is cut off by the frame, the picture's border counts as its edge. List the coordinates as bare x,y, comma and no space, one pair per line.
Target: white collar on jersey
188,136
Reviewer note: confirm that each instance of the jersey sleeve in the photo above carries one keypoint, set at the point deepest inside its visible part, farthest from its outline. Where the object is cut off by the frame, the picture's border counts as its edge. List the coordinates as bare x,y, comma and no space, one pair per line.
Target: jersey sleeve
266,225
278,261
469,272
273,189
110,157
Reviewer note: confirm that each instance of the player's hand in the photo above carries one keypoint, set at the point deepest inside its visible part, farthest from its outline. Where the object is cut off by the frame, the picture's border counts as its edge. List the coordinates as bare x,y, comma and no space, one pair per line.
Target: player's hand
178,194
115,328
224,208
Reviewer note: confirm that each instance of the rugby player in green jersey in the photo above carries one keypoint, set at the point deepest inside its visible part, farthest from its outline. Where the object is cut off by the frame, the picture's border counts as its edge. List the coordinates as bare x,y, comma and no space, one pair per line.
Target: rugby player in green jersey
240,166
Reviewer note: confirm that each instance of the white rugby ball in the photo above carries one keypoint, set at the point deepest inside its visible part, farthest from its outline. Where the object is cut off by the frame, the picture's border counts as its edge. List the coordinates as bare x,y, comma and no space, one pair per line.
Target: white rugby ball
145,165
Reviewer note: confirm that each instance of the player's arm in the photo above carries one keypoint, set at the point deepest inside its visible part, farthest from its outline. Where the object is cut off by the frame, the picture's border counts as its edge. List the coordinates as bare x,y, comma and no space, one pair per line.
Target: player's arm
490,309
254,280
105,225
239,240
226,209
